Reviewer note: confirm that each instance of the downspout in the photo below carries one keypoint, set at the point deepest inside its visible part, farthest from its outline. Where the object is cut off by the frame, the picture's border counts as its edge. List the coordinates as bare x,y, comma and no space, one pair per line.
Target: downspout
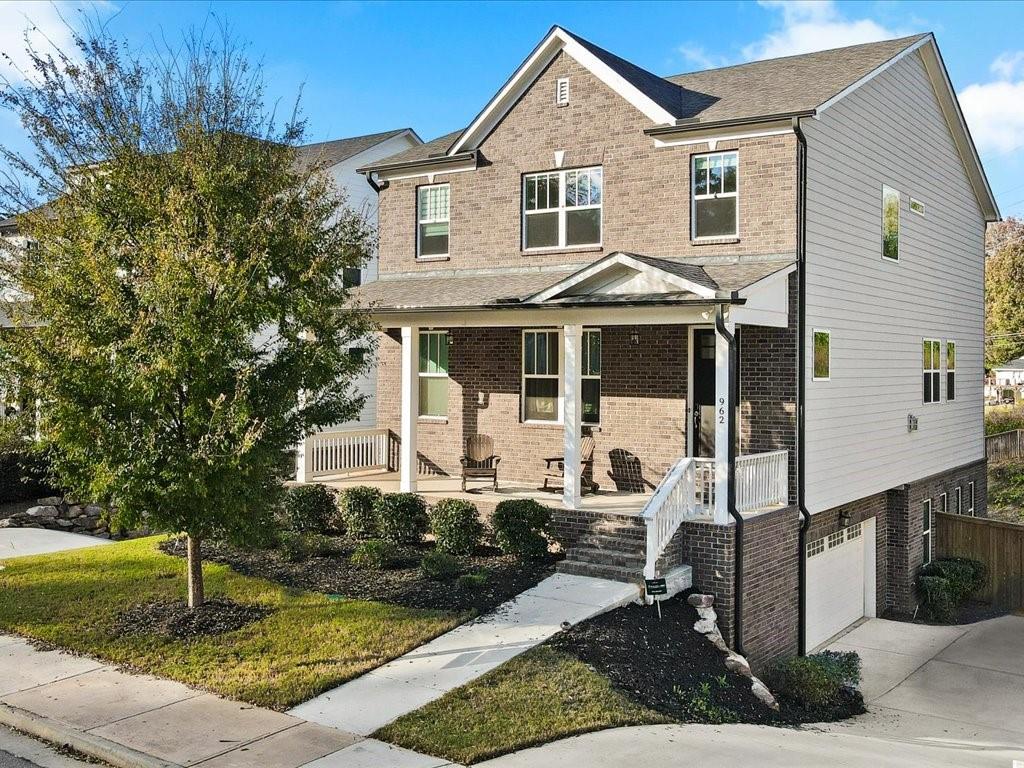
737,597
801,271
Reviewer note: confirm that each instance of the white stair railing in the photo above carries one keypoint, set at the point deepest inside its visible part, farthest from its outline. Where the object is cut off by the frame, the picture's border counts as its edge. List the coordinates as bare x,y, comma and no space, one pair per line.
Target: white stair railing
762,480
674,501
344,451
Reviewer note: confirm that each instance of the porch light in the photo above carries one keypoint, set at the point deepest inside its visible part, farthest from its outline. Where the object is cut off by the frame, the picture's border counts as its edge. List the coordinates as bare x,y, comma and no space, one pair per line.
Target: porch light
844,519
634,338
448,336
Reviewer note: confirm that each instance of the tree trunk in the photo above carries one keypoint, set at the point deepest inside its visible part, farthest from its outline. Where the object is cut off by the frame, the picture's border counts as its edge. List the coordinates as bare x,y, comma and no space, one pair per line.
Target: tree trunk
195,573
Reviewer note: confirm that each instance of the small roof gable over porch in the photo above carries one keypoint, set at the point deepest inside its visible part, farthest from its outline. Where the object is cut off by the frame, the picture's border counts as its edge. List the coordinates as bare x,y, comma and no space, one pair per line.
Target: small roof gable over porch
617,289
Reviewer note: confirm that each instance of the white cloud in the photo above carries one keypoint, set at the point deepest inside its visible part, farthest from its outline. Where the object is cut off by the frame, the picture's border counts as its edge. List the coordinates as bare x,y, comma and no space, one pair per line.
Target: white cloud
995,110
812,25
45,27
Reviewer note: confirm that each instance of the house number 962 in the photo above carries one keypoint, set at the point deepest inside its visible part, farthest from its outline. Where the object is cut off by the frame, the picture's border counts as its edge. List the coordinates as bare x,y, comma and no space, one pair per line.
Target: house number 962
721,410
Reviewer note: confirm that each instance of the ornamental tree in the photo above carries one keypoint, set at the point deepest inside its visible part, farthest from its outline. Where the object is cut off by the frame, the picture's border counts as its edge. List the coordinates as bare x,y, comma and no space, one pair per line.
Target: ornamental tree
1004,292
184,281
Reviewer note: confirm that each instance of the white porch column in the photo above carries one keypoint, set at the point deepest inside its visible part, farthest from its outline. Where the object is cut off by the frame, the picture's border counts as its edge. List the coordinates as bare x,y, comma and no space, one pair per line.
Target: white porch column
300,449
410,408
572,414
722,405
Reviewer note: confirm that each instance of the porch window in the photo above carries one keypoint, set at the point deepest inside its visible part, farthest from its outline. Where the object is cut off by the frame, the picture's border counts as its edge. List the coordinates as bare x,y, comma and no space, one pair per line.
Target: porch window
432,221
931,361
890,224
822,355
715,211
433,374
541,376
926,530
950,370
562,209
591,377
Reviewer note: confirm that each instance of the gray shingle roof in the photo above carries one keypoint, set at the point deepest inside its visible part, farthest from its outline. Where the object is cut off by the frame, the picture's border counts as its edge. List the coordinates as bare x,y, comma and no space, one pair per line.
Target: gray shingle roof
337,150
434,148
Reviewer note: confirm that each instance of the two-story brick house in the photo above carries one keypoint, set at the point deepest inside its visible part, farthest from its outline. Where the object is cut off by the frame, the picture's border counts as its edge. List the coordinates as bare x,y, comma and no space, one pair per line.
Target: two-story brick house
757,288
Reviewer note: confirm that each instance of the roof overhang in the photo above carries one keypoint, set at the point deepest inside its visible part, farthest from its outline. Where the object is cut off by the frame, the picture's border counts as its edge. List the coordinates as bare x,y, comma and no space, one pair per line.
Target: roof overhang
712,132
463,161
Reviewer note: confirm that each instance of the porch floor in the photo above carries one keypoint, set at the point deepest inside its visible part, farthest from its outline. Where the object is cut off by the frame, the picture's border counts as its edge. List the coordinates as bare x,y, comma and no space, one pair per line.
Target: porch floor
434,487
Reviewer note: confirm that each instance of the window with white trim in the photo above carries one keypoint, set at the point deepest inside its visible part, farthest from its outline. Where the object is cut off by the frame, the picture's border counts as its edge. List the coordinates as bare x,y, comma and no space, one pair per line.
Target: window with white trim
943,502
890,223
822,363
970,498
590,376
715,210
433,374
433,204
562,209
542,377
950,370
562,91
926,530
931,362
959,495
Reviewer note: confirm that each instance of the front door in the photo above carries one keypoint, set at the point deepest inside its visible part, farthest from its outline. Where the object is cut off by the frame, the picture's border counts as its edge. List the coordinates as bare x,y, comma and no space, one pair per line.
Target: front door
703,413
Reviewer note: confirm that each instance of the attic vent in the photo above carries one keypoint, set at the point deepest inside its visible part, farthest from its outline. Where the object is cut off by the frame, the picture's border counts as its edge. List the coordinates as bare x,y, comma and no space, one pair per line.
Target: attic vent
562,91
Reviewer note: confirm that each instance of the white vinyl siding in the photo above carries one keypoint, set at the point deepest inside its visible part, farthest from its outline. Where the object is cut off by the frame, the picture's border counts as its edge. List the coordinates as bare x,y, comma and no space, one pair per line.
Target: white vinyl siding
890,131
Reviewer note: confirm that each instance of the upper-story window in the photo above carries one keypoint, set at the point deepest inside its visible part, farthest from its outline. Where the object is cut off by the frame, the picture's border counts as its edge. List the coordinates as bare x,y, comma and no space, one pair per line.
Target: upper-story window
562,209
931,363
950,370
432,217
890,224
716,211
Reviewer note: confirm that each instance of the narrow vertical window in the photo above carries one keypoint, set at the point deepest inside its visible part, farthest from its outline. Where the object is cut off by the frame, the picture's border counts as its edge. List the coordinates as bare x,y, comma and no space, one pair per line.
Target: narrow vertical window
959,496
970,498
591,377
822,355
562,91
432,221
943,503
542,379
715,195
931,363
950,370
926,530
433,373
890,224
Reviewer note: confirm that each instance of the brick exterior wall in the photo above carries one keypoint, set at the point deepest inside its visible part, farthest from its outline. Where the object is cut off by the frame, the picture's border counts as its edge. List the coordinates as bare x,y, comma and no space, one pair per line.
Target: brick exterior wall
646,190
709,550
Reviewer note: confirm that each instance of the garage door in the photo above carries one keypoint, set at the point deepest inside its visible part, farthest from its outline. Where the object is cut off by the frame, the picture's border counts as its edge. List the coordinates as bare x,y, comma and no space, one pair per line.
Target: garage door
835,582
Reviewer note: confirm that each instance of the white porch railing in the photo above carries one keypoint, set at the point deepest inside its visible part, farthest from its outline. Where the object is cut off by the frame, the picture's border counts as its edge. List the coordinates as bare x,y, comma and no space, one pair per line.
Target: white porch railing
345,451
674,501
762,480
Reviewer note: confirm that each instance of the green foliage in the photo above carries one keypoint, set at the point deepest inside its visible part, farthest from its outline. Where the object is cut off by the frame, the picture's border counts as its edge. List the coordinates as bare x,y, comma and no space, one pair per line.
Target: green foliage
813,682
1006,485
1003,419
402,518
186,282
475,580
699,707
440,566
943,585
456,526
358,507
298,547
1004,292
521,527
310,509
375,555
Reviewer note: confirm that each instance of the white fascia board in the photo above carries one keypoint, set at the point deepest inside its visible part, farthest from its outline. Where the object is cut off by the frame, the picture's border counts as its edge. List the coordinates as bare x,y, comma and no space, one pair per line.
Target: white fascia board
556,40
712,137
873,74
774,277
541,317
623,259
427,170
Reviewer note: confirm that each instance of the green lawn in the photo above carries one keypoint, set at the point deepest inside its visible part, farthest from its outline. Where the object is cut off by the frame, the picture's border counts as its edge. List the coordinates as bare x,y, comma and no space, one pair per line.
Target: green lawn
307,645
535,698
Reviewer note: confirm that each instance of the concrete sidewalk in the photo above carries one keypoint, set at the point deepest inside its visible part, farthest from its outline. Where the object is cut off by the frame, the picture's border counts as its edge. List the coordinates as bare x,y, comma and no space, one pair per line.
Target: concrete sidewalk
16,542
137,721
464,654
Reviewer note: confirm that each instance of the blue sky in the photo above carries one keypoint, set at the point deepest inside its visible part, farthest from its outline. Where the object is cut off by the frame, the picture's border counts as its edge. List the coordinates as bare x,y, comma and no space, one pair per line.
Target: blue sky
368,66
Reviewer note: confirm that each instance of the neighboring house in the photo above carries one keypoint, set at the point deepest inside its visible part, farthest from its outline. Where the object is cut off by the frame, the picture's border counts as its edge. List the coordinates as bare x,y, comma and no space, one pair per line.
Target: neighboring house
757,288
1009,374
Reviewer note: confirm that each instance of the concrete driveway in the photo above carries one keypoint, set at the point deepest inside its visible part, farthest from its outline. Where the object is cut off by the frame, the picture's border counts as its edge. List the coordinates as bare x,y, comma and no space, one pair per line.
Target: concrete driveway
15,542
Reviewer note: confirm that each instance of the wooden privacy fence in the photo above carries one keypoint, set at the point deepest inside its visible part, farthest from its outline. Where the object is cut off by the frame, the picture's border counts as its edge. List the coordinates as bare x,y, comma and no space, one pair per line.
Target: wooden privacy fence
1004,445
999,545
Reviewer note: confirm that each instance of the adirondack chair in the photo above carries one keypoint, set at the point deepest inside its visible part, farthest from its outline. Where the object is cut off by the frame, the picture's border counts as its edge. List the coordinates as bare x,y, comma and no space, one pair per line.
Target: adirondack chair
480,461
555,469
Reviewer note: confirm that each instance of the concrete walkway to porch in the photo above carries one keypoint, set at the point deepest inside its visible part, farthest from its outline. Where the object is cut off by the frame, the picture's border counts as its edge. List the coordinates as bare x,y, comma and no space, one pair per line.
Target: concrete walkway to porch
464,654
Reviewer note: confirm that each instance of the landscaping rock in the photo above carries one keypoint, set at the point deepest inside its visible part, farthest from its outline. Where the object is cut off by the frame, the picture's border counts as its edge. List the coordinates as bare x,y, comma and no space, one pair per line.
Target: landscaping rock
705,626
736,663
43,510
718,641
51,501
701,601
707,614
760,690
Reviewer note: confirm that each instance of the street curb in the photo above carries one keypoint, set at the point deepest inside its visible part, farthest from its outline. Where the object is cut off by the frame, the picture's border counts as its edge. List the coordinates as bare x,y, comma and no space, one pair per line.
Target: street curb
59,732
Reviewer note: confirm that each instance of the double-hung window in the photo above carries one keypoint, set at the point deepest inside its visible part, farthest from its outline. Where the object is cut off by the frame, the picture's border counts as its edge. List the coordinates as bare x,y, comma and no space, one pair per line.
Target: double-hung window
931,362
715,195
591,377
541,376
562,209
432,220
926,530
433,372
950,370
890,224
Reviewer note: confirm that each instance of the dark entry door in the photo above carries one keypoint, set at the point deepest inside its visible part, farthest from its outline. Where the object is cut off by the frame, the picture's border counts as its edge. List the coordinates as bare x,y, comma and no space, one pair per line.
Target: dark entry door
703,392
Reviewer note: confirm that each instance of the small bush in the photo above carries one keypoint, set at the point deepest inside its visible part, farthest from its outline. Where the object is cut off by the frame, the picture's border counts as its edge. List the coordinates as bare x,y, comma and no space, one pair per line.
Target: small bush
476,580
402,518
816,681
310,509
456,526
440,566
358,509
943,585
374,555
521,527
298,547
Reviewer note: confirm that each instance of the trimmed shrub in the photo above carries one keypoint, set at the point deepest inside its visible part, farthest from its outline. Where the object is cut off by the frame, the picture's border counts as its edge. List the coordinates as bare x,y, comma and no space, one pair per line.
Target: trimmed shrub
402,518
374,555
943,585
310,509
521,528
440,566
299,547
476,580
816,681
358,509
456,526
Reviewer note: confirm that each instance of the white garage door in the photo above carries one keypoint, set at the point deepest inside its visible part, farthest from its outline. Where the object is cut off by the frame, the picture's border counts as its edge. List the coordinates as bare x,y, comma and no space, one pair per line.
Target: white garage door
836,585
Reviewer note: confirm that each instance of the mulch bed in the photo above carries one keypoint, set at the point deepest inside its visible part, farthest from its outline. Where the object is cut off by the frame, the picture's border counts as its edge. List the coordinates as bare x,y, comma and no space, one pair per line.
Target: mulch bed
667,666
970,612
173,618
403,585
